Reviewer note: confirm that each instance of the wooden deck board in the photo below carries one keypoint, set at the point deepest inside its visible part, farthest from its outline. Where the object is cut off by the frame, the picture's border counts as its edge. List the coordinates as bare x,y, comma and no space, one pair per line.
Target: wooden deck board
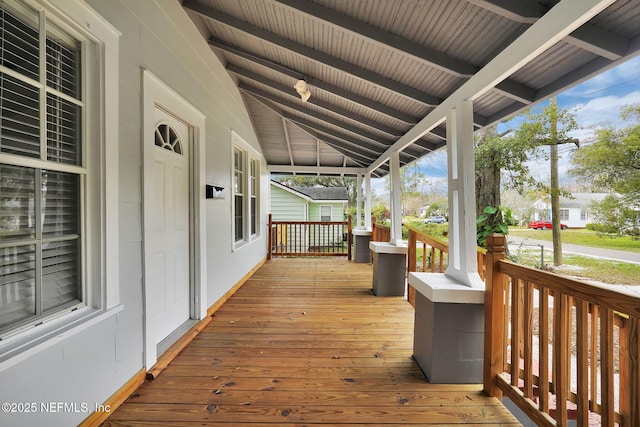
304,342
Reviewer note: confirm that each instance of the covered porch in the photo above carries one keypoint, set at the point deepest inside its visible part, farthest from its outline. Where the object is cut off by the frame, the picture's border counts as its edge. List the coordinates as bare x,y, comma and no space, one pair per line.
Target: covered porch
302,342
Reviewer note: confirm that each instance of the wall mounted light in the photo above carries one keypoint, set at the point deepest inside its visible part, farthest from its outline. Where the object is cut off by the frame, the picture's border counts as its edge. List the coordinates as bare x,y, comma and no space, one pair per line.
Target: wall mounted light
303,90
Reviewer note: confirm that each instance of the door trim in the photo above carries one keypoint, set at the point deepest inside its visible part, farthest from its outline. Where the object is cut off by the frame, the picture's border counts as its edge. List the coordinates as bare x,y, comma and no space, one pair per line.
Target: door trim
156,94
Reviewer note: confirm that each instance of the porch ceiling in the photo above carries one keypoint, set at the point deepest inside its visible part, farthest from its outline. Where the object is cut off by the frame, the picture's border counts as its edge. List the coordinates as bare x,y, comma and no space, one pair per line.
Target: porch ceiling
383,73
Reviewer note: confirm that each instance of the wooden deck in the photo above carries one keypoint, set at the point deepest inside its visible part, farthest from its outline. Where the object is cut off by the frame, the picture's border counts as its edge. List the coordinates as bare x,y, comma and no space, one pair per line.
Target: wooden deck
305,343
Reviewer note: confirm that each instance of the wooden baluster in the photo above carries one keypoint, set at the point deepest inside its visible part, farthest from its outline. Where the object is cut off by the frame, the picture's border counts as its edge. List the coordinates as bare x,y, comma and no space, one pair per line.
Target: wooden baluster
630,372
528,340
582,359
606,367
543,355
433,259
593,367
561,355
516,330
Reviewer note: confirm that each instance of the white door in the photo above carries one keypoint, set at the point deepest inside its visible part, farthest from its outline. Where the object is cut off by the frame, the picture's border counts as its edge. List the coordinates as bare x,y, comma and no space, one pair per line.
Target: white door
167,258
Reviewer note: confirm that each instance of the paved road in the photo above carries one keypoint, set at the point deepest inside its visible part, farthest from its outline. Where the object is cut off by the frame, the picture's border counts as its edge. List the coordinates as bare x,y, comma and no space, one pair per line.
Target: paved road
633,257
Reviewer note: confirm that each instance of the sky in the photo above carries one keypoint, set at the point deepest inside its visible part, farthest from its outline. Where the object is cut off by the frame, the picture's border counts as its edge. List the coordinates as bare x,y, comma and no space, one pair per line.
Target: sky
595,103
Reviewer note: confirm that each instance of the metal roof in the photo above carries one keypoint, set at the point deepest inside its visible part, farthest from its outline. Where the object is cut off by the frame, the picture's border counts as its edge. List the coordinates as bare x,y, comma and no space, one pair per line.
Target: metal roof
325,193
383,73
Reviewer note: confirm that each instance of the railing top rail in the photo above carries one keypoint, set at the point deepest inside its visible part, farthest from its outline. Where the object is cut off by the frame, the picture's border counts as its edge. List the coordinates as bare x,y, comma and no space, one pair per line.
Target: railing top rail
434,241
610,298
430,240
378,225
310,222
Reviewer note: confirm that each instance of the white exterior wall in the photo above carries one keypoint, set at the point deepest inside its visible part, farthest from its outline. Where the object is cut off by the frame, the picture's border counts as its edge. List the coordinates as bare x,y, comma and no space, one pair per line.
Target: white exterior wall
574,220
89,366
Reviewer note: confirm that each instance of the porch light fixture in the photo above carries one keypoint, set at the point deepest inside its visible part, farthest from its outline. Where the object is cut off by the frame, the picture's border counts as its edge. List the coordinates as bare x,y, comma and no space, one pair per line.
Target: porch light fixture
303,90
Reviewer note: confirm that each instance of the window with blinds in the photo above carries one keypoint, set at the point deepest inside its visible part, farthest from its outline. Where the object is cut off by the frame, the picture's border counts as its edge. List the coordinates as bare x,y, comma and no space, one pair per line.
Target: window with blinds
41,170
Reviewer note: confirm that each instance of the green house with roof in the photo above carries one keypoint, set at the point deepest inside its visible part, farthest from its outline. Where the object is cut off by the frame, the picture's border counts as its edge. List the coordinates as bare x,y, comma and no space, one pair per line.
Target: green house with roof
309,204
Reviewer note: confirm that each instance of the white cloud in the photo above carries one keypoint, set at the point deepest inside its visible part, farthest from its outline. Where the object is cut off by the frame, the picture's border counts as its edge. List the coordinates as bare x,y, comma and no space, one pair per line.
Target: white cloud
605,110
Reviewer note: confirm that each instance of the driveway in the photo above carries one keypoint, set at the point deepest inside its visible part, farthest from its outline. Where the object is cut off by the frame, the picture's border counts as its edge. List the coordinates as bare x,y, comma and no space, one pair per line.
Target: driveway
632,257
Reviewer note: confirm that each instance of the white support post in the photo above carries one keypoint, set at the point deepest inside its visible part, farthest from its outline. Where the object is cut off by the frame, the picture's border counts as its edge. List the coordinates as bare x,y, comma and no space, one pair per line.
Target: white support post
463,261
358,221
396,203
367,201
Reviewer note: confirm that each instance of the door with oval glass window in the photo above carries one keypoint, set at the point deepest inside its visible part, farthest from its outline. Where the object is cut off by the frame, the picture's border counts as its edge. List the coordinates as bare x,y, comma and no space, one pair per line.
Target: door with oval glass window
167,233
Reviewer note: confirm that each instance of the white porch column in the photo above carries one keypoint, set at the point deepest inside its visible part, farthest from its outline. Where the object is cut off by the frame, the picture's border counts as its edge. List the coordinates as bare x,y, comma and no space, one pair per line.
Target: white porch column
367,201
358,221
463,262
396,203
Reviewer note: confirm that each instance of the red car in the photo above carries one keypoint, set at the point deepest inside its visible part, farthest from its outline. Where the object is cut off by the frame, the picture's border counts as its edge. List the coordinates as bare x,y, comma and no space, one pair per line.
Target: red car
545,224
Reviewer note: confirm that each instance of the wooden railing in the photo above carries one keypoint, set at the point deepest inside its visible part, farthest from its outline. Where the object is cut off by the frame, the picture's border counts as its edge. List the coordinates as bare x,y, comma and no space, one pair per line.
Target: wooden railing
560,348
433,256
379,232
309,238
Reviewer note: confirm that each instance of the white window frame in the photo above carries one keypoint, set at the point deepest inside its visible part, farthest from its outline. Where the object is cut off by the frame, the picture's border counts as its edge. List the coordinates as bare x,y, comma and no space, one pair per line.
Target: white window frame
564,214
249,154
99,213
254,196
239,190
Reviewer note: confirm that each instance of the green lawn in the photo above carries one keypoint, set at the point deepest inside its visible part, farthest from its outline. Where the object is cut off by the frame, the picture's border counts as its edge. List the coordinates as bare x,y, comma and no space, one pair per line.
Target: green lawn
581,237
583,267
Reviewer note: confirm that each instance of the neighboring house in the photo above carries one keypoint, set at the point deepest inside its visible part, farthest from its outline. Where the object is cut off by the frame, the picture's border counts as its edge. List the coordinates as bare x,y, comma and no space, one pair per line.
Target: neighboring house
574,211
319,204
308,203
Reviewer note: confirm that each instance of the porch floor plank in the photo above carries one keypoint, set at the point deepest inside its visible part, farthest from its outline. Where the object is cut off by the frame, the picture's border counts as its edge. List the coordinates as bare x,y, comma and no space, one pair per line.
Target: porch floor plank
304,342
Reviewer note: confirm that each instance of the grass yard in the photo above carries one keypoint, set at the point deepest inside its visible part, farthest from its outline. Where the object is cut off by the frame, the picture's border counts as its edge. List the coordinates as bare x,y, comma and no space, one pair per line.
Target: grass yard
581,237
582,267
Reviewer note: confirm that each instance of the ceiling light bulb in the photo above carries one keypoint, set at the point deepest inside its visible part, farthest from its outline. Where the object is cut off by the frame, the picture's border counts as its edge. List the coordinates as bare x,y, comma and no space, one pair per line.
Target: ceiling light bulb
303,90
305,96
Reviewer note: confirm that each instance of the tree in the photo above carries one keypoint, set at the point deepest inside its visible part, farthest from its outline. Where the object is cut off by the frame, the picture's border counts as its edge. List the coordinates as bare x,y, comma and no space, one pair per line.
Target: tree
613,160
550,126
497,155
436,205
412,182
381,212
613,216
